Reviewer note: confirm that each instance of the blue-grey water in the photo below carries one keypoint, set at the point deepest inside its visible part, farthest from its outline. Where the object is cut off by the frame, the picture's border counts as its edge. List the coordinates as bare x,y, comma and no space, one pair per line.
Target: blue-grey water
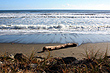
54,26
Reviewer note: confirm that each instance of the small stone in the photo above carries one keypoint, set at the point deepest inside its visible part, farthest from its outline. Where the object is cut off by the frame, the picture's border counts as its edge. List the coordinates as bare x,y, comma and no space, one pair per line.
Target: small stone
12,43
39,60
76,61
11,56
48,63
43,72
42,56
20,57
66,60
0,64
33,65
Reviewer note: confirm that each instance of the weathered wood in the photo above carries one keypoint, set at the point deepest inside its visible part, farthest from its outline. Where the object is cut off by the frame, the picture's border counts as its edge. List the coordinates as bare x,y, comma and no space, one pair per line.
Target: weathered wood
71,45
59,46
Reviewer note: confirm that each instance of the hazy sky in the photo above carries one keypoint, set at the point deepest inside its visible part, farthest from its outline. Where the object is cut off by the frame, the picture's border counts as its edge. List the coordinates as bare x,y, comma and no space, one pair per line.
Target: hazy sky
55,4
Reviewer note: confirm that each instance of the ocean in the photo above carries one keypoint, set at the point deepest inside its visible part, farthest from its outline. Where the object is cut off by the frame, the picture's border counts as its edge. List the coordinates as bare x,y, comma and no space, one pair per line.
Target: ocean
54,26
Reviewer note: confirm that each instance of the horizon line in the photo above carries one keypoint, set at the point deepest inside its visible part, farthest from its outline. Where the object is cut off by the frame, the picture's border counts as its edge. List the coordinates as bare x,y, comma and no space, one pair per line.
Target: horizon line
54,9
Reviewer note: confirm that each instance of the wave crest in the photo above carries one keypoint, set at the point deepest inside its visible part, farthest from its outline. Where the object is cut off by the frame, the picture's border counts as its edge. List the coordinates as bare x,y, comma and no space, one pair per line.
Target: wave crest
59,27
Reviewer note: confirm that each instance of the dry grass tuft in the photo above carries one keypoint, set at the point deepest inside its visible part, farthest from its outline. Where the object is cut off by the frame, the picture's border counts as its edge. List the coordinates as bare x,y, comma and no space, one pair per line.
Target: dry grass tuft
93,63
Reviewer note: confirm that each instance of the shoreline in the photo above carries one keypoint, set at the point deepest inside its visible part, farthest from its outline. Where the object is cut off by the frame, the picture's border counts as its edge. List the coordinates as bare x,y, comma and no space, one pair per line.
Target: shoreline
13,48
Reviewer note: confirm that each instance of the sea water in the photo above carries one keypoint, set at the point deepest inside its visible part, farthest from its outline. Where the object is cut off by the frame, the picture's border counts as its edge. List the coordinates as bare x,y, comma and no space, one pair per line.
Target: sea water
54,26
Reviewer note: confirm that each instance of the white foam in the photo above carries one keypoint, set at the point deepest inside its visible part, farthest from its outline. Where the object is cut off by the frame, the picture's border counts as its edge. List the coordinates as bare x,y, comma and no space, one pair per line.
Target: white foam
53,15
54,28
61,27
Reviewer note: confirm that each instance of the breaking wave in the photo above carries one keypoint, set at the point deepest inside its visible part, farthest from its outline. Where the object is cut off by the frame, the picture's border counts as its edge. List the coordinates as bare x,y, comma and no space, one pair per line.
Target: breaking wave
47,26
58,27
52,15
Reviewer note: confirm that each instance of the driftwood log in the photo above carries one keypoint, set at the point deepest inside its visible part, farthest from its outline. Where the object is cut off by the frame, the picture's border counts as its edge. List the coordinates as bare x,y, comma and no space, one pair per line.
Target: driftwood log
59,46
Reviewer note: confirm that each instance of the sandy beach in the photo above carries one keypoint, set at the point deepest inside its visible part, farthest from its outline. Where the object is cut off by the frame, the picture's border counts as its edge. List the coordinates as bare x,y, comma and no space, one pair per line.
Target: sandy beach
76,52
55,36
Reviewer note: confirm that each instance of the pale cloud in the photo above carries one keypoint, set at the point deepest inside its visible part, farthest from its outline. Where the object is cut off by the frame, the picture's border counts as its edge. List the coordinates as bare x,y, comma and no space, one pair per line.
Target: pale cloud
80,7
88,6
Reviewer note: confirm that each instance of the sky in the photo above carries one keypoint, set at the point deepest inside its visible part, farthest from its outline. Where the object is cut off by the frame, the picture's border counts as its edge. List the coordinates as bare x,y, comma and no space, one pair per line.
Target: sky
54,4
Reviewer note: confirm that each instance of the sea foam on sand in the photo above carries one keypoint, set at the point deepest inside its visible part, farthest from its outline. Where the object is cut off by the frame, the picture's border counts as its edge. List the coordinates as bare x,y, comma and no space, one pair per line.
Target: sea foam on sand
30,36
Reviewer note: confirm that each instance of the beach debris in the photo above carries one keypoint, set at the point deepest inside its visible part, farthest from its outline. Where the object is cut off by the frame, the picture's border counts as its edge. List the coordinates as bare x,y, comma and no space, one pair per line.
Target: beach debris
0,64
39,59
11,56
33,65
71,45
21,57
12,43
59,46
